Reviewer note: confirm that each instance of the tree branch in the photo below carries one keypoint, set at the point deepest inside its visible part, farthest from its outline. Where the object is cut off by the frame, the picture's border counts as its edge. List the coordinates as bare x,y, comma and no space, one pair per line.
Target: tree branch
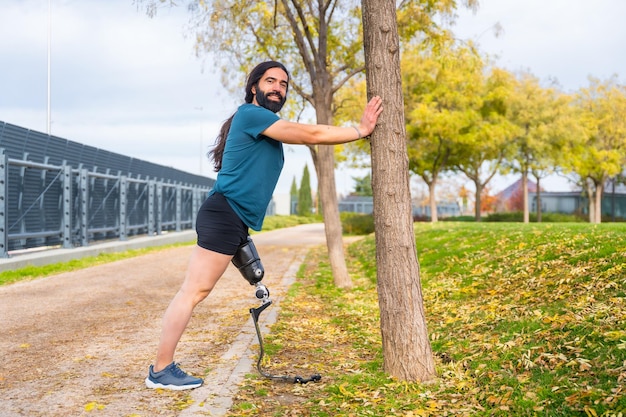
299,38
348,76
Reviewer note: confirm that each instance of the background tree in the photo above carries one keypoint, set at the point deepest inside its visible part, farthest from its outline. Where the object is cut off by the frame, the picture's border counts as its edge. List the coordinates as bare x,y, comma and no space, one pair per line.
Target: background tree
538,114
293,196
484,144
363,185
602,154
488,202
563,128
293,191
305,200
406,348
440,88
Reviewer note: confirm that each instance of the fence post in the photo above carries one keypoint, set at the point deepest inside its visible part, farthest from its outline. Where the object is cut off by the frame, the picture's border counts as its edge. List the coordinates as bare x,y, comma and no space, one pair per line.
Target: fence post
179,206
4,204
83,185
67,206
159,222
195,206
123,185
151,217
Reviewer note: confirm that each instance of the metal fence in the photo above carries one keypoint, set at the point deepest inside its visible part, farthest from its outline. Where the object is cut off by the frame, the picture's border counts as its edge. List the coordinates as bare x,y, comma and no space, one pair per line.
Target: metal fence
54,192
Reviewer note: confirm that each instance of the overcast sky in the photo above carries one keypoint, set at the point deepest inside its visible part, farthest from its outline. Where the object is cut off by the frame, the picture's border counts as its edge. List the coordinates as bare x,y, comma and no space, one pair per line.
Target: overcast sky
130,84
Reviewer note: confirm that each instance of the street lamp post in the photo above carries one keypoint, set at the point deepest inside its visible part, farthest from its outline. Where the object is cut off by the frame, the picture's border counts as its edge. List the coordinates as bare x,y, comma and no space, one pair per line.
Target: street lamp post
49,42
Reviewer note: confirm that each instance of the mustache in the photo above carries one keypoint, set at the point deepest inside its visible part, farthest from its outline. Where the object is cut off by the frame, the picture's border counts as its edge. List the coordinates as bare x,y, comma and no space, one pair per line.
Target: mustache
275,93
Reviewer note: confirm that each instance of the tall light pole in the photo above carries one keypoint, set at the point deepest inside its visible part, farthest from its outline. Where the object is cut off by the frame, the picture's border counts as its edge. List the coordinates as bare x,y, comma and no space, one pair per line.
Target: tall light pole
49,42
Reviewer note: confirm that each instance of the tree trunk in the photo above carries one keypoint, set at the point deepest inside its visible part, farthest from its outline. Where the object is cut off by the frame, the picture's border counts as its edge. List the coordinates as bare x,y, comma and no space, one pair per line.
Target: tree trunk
325,167
433,201
406,348
590,203
598,201
478,202
539,206
324,161
525,196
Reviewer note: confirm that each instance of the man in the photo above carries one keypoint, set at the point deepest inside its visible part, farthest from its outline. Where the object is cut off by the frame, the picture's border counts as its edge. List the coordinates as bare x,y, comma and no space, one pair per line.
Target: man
248,157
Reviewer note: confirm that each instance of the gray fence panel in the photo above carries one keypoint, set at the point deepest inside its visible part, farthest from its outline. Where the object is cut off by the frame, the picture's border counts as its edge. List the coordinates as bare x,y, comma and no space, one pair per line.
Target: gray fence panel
58,192
4,177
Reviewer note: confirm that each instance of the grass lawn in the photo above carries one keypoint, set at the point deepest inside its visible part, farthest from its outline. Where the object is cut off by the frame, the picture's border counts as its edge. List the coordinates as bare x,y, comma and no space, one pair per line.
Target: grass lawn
524,320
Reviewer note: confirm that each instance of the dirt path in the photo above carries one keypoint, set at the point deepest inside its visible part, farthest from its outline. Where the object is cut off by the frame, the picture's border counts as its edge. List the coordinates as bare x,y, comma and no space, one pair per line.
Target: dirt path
80,343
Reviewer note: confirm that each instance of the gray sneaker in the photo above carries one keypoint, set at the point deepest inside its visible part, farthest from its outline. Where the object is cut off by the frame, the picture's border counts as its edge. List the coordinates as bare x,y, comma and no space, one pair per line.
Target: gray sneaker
172,377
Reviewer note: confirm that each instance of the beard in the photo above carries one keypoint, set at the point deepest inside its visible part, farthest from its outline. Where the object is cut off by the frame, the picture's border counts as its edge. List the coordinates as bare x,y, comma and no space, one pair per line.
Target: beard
271,105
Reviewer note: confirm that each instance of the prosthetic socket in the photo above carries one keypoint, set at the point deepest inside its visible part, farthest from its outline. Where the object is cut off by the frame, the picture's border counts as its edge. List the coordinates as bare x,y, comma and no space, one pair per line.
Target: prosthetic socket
247,260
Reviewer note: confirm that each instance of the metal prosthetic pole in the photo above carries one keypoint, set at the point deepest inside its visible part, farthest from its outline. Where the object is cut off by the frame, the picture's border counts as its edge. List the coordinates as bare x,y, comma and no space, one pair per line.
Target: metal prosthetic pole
247,260
255,313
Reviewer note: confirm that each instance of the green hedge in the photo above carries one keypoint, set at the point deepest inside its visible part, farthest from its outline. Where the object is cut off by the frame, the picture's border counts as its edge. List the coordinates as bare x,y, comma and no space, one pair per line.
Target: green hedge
518,216
357,223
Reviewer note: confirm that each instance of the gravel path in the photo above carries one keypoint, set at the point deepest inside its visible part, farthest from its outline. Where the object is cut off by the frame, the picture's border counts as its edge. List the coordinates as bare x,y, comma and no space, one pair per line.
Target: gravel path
79,343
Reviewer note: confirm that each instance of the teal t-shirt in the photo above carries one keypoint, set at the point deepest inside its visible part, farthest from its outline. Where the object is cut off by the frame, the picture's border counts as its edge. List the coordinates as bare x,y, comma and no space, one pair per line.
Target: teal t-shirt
251,164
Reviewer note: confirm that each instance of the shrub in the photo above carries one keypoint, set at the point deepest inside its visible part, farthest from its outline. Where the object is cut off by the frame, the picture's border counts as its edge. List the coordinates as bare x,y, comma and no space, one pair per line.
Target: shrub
518,217
357,223
278,221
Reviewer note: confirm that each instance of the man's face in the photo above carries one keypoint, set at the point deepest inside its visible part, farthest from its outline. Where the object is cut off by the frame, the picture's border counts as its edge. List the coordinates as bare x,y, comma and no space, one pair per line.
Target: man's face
271,90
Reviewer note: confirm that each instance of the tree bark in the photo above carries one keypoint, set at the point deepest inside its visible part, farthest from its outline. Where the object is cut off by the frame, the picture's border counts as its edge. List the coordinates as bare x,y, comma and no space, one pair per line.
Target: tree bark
406,348
434,216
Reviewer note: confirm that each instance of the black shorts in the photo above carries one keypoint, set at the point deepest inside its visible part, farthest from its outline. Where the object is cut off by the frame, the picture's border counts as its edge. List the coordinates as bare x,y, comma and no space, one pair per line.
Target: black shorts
218,226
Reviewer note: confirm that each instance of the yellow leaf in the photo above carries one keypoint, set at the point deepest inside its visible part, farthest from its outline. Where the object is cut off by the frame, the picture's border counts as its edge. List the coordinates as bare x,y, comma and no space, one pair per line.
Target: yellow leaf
344,391
590,412
93,406
530,395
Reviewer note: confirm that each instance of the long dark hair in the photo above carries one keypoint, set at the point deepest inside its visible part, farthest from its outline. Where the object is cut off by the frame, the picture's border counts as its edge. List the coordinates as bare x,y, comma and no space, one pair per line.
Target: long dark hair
255,75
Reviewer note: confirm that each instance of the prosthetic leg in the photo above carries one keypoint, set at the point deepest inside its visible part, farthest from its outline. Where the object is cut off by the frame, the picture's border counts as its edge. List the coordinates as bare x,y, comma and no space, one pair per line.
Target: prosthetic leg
248,262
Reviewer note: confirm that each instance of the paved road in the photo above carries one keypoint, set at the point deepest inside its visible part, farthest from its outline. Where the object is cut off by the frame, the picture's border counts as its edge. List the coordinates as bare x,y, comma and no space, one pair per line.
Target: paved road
79,343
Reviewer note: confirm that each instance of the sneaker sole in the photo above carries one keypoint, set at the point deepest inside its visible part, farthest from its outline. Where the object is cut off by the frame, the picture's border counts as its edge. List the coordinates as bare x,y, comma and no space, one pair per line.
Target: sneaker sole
154,385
